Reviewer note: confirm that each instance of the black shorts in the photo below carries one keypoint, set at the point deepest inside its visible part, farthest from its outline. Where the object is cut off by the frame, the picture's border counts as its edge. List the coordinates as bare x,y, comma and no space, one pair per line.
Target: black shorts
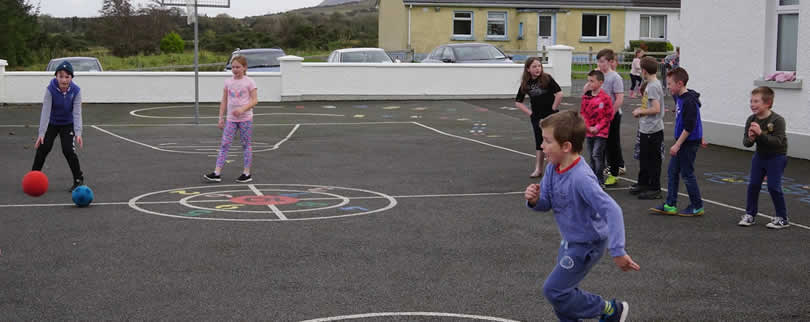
538,132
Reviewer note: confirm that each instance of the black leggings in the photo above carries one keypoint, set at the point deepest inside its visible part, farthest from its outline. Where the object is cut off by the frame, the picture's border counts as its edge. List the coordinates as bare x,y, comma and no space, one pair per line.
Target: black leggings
614,146
65,133
633,80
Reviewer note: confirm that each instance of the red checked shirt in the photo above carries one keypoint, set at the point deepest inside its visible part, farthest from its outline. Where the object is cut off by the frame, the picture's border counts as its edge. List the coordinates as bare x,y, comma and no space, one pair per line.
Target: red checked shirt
597,111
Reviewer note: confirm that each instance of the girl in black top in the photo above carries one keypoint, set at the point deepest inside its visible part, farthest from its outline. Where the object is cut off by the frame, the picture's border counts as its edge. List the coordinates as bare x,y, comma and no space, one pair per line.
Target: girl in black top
545,96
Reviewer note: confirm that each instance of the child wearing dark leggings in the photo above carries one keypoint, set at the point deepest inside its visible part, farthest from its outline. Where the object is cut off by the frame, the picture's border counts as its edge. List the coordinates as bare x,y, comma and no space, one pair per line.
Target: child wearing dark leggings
61,115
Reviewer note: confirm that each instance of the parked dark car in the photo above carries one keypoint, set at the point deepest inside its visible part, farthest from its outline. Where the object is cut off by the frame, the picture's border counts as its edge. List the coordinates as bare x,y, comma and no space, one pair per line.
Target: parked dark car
468,53
259,59
80,64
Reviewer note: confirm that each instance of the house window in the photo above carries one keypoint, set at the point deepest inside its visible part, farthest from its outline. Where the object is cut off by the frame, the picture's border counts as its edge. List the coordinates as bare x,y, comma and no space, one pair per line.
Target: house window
595,26
653,27
496,25
787,34
462,25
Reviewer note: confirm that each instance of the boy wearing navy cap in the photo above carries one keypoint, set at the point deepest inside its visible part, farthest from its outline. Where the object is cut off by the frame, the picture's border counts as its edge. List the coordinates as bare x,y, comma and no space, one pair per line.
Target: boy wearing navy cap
61,115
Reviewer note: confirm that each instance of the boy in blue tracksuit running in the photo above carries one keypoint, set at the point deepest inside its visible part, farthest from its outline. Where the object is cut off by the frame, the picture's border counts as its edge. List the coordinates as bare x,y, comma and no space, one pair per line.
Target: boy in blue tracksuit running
589,221
688,137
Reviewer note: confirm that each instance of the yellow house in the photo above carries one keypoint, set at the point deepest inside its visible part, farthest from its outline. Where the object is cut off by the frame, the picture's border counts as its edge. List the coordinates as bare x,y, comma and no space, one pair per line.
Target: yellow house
525,25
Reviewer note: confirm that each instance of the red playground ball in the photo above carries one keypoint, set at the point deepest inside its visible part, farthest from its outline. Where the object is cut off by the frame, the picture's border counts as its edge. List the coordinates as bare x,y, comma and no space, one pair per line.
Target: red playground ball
35,183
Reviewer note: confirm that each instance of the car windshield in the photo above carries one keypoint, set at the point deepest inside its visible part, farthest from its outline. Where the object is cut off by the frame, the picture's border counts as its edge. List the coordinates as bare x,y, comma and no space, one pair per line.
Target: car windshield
478,53
365,57
79,65
261,58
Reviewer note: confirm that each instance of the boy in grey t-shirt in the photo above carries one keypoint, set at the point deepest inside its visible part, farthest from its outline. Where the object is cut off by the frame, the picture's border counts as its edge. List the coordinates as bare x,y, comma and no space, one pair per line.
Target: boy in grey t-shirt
614,86
651,133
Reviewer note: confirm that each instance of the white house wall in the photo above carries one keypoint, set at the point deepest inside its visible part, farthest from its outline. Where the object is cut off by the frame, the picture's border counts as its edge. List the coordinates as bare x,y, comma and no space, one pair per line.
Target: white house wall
632,25
725,53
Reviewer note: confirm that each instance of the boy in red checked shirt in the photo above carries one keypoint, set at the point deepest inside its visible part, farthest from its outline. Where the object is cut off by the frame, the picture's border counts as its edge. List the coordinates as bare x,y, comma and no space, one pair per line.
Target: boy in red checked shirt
597,111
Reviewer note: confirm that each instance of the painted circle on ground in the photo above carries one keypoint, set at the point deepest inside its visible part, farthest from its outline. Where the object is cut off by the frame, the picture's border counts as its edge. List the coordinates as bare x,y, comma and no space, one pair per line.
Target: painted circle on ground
189,202
262,202
410,316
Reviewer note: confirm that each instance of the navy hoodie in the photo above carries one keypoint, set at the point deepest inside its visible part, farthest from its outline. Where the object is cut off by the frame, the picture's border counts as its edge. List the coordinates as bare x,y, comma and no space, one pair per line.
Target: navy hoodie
61,108
687,116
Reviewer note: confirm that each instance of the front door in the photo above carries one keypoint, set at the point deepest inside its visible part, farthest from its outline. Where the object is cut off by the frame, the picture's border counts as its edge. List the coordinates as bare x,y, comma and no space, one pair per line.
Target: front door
545,32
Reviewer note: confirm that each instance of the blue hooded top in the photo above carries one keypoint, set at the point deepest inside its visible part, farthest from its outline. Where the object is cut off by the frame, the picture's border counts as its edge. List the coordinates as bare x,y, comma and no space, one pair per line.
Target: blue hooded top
61,108
687,116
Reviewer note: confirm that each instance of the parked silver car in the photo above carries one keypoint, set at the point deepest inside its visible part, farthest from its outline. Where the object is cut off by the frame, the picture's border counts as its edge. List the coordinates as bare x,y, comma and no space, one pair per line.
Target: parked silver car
259,59
80,64
468,53
359,55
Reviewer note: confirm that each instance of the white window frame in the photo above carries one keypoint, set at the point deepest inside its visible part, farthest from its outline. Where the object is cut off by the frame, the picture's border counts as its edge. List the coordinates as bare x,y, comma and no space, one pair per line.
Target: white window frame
650,27
596,38
471,19
780,10
505,22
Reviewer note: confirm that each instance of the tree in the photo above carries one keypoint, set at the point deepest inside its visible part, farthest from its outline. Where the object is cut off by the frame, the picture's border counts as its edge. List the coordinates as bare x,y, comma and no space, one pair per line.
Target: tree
20,33
172,43
116,28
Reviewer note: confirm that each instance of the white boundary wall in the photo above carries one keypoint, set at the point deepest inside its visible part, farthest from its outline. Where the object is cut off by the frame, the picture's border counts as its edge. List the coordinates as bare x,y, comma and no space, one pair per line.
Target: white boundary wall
725,54
298,81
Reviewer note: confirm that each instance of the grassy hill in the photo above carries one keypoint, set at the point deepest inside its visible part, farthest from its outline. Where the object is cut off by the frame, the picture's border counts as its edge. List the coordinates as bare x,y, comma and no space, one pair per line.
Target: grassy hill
335,2
360,6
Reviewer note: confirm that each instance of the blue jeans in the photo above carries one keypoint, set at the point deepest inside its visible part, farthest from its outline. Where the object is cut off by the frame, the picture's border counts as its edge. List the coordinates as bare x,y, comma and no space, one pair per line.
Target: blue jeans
774,167
683,165
596,148
574,261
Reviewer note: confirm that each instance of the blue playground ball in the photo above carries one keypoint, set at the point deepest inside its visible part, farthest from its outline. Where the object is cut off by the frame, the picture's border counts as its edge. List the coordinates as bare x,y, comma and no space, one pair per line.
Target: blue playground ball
82,196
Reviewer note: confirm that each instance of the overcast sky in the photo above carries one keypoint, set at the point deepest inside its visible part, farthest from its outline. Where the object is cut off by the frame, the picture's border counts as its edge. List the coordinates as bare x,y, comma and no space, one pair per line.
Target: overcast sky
239,8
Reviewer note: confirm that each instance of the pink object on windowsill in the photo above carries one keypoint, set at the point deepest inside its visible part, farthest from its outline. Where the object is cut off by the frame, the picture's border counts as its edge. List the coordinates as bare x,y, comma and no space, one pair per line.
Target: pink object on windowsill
781,77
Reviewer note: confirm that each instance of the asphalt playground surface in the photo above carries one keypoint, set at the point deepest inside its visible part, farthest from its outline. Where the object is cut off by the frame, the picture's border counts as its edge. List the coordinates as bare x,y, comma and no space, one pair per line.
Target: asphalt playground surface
364,211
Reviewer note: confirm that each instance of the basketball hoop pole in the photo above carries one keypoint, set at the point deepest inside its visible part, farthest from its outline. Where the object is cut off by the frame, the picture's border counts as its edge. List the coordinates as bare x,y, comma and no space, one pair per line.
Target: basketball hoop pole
196,68
189,12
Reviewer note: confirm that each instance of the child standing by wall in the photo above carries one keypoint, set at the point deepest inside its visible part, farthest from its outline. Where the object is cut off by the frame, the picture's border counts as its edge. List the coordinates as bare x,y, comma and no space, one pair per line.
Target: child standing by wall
239,97
597,110
545,96
61,115
766,129
688,136
651,133
589,221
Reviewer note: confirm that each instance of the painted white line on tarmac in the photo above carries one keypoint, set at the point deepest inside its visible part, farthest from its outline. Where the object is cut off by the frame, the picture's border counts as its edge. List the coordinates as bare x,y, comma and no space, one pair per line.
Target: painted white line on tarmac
423,314
198,151
272,207
623,178
446,195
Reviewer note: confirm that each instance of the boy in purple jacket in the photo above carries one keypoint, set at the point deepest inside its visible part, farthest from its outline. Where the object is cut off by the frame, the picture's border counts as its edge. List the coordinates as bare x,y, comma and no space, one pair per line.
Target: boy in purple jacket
588,219
61,115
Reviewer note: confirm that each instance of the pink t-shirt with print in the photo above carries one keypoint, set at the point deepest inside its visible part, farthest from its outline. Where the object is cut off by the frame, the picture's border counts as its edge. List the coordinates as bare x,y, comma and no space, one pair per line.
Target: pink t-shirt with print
238,96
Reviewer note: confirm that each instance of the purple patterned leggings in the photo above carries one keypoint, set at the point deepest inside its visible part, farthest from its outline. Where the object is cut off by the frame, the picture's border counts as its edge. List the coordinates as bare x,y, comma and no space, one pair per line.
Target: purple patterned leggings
245,132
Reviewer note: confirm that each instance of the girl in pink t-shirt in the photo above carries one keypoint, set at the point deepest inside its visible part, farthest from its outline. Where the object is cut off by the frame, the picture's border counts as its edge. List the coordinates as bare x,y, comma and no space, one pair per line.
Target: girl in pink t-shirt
238,97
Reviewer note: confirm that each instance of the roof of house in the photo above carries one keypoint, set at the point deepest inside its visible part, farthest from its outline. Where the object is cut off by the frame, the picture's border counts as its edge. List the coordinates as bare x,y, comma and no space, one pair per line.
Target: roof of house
555,3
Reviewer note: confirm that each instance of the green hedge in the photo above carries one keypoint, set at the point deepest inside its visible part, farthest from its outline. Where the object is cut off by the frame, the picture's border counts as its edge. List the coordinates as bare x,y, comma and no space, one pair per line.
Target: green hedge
651,46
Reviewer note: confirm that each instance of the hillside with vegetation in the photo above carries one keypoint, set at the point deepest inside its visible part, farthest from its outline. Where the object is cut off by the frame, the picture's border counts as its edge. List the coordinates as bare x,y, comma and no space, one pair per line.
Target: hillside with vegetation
131,36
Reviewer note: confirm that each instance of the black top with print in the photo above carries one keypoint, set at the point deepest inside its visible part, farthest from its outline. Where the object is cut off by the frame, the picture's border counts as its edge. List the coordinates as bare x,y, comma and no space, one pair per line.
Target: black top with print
541,98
